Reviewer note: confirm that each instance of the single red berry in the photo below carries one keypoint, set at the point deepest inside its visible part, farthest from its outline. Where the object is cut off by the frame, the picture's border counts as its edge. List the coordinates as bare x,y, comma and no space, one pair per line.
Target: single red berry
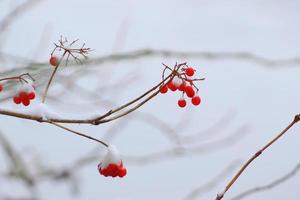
196,100
189,90
25,101
17,100
190,71
171,86
114,170
31,95
54,61
163,89
23,95
182,86
104,172
1,88
182,103
122,172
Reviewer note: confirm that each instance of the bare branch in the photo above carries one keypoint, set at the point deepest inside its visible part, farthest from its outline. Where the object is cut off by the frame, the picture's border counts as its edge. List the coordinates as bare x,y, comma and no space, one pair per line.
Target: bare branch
257,154
196,193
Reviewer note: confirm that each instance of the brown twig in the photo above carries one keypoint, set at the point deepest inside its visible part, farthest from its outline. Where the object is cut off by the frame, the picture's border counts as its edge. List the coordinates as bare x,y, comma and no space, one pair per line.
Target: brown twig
19,78
269,186
197,192
78,133
257,154
98,120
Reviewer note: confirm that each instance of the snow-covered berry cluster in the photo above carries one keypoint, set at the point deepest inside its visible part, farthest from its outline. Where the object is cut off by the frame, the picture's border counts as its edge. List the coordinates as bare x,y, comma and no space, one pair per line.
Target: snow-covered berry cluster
183,80
112,164
25,94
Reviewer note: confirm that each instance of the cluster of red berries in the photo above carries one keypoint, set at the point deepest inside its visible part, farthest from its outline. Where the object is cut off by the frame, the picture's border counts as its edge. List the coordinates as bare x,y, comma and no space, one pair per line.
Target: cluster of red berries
25,94
1,87
183,81
112,170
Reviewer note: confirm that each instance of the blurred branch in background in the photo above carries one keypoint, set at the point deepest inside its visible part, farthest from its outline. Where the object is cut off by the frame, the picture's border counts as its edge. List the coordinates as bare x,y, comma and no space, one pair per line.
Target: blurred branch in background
268,186
199,191
147,53
13,16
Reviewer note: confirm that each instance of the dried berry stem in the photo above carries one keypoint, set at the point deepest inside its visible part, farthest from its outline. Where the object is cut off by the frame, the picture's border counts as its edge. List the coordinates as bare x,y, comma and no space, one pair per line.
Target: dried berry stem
257,154
51,78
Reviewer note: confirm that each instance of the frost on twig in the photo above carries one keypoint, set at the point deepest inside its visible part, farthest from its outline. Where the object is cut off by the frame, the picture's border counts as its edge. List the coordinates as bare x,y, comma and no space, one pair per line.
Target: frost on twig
41,110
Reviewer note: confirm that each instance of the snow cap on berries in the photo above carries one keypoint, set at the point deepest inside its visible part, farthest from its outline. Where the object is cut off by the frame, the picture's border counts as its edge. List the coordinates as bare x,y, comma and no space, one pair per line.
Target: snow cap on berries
26,87
25,94
112,157
112,164
176,81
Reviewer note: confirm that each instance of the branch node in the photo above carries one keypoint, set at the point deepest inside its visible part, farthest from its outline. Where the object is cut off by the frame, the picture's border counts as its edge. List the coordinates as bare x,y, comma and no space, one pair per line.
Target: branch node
297,118
258,153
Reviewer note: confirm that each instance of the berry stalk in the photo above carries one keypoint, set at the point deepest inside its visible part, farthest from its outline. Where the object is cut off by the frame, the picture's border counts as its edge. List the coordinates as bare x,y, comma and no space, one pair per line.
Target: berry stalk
51,78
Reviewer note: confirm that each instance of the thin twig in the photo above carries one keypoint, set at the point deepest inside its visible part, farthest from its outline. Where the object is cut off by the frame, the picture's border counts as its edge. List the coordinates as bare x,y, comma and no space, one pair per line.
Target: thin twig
197,192
51,78
269,186
97,120
257,154
78,133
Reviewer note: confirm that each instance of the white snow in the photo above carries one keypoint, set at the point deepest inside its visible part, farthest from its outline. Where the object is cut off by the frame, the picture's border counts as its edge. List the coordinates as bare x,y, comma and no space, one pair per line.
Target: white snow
177,81
112,157
41,110
25,87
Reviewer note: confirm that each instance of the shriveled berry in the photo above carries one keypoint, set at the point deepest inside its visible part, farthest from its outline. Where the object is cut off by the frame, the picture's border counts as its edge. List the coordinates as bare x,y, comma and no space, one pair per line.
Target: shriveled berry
17,100
182,103
189,90
54,61
190,71
171,86
196,100
163,89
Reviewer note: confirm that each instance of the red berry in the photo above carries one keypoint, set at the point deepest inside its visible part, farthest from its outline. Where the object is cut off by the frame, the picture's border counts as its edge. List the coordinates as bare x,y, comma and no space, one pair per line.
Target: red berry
190,92
189,71
54,61
163,89
23,95
104,172
182,86
31,95
196,100
122,172
171,86
1,88
181,102
25,101
17,100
